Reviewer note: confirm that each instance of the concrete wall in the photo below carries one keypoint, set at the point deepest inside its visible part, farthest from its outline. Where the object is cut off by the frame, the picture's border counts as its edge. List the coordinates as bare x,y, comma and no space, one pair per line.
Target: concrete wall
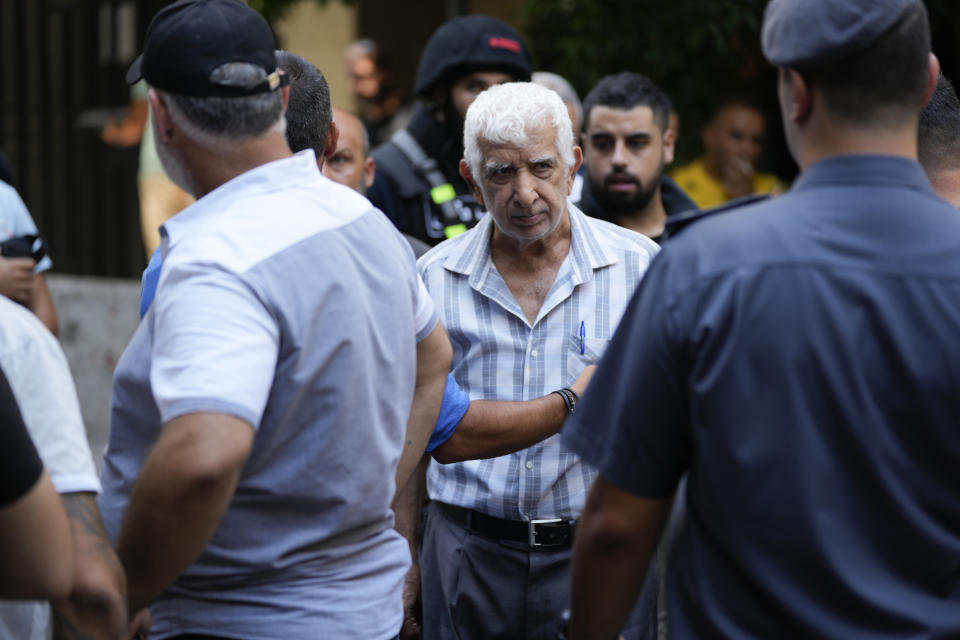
320,34
97,318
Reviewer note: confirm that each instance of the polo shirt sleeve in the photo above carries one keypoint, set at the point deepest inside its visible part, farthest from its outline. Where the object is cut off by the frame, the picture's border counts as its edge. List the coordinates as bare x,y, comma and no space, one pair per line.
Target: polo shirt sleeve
632,421
20,466
18,222
215,344
426,315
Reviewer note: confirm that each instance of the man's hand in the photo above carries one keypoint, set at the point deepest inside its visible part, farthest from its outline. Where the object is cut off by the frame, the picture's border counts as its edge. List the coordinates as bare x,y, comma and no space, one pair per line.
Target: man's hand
96,607
16,279
412,612
737,174
140,625
580,384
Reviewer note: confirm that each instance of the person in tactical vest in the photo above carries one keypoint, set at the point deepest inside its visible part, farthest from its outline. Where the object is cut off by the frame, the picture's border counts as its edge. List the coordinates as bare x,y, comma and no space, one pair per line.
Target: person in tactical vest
417,183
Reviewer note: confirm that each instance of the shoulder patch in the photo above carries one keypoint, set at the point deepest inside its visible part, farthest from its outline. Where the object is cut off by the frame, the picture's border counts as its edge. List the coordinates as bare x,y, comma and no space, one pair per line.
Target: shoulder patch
678,223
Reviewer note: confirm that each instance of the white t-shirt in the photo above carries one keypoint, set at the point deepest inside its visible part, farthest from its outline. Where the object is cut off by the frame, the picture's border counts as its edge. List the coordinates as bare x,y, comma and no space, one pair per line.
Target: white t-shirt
40,378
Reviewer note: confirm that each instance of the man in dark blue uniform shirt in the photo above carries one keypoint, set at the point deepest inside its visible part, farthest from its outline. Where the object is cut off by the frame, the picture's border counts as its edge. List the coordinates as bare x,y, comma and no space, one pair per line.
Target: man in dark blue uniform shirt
800,359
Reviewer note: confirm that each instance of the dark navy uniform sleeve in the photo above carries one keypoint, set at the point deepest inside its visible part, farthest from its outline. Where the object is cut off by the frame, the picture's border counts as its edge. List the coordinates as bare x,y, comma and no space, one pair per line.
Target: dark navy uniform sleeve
20,466
632,422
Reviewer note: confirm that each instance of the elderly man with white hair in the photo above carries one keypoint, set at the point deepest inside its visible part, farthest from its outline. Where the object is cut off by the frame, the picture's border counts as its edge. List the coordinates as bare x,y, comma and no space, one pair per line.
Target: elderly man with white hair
529,296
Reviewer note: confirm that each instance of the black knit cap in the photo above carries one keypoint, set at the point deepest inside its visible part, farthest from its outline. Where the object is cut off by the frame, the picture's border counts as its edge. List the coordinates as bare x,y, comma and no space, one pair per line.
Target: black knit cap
188,39
472,43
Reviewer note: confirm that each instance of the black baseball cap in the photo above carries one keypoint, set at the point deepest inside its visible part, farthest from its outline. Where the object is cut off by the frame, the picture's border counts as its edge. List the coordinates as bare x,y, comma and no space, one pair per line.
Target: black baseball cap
188,39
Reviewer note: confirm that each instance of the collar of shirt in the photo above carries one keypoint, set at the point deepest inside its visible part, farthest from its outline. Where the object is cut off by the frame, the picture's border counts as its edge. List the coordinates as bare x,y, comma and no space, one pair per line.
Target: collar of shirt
272,176
586,251
883,170
475,261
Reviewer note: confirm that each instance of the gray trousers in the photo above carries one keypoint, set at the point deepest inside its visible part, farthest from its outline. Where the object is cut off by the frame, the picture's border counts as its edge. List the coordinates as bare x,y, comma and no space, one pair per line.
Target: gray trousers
476,587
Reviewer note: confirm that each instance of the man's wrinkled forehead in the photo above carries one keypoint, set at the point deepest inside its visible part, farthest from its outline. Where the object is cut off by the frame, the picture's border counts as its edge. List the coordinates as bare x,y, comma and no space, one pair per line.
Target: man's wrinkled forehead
533,140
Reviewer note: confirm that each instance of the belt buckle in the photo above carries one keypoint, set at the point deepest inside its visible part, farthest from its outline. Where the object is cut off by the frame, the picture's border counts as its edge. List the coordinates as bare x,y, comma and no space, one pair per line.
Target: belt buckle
532,532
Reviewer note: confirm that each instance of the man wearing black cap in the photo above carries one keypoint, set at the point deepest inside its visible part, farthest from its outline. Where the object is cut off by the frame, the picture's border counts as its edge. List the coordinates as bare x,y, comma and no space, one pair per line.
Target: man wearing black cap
417,183
799,359
275,355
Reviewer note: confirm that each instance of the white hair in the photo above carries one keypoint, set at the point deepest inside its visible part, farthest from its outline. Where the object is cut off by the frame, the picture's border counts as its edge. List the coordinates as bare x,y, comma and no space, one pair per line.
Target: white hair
215,122
502,115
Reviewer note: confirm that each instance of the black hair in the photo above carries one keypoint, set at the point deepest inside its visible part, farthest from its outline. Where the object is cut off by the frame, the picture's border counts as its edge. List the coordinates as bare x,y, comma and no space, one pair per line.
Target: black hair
939,135
879,85
625,91
309,113
734,99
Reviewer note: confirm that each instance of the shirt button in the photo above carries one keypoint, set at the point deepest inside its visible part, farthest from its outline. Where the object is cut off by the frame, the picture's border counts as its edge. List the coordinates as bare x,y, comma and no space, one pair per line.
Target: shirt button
529,465
534,353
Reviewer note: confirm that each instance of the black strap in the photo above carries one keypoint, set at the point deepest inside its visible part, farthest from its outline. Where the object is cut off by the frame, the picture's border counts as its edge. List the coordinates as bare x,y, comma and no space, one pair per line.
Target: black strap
27,246
427,167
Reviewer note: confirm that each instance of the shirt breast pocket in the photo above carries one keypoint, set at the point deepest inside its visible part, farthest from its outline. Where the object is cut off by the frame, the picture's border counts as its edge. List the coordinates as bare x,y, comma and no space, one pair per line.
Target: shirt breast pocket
593,350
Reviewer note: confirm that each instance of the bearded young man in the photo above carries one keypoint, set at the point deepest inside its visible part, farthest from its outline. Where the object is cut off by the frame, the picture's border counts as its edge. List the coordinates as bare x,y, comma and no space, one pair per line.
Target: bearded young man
626,144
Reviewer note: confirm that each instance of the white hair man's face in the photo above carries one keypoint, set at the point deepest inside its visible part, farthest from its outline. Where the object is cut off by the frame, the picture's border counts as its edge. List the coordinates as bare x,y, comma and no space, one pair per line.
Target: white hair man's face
526,188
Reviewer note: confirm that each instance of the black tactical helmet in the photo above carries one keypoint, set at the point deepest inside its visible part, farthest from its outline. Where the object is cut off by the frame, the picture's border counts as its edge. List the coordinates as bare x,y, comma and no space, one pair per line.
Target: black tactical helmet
471,43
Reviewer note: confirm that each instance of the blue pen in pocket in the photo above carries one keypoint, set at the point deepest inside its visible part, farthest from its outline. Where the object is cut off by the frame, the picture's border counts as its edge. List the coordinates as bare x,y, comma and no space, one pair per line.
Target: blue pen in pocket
583,335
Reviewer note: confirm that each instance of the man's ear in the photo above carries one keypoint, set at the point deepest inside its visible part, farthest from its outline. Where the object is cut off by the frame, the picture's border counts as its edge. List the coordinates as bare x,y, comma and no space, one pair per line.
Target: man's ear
465,174
163,123
669,145
577,161
333,137
285,93
799,98
933,73
369,171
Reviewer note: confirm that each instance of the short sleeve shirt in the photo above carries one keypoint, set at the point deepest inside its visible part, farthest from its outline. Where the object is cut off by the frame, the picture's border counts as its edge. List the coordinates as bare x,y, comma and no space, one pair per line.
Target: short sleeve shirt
41,382
287,301
40,378
800,359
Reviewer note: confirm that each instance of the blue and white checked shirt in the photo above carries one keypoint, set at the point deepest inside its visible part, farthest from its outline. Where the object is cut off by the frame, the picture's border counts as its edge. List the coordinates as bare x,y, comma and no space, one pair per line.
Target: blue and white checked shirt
498,355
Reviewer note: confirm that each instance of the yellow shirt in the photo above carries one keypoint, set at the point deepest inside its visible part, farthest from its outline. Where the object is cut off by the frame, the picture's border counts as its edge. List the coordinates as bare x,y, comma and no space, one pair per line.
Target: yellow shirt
708,192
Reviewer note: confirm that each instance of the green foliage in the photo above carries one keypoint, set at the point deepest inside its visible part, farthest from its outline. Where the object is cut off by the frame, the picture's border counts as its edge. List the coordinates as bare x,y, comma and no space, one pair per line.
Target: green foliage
696,50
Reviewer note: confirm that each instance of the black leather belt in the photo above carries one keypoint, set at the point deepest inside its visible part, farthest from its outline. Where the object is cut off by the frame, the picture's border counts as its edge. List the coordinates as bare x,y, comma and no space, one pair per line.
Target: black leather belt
549,535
